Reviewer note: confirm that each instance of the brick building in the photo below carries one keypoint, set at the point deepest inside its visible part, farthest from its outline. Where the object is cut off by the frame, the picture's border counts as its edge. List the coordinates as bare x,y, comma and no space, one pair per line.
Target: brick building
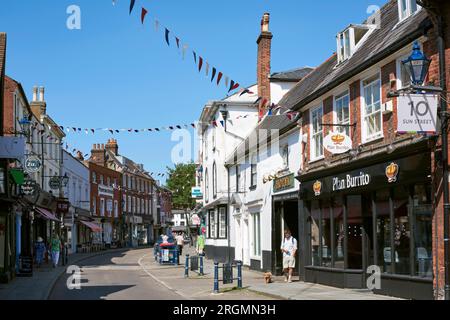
106,197
379,204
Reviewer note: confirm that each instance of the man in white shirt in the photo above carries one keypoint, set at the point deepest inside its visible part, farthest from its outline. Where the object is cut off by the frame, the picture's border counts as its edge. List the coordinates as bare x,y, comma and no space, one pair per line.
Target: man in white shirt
289,249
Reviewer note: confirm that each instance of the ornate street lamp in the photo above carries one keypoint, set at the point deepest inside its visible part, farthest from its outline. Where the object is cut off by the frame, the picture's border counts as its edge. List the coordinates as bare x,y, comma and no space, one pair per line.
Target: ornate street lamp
417,65
26,125
64,180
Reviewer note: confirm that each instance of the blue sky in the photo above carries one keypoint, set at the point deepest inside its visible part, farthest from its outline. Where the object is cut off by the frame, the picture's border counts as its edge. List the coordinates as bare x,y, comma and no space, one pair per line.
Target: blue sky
116,73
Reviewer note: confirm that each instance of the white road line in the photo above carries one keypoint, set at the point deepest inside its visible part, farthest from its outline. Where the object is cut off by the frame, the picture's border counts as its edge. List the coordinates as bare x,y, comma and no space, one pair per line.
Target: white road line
158,280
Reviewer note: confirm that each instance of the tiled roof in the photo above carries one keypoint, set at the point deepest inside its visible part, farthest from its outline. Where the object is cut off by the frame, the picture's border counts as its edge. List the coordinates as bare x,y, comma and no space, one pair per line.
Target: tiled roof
291,75
389,38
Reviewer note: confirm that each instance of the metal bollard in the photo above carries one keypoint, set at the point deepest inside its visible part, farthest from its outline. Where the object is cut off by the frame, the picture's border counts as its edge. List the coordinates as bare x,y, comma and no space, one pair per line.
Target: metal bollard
201,266
239,267
186,267
216,277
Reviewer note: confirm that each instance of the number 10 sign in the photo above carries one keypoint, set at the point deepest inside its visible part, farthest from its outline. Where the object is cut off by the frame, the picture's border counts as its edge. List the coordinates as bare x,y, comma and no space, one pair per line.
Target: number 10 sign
417,113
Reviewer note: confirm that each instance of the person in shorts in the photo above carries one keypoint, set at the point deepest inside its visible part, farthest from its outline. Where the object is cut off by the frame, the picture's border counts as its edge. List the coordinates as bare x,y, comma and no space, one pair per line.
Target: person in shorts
289,249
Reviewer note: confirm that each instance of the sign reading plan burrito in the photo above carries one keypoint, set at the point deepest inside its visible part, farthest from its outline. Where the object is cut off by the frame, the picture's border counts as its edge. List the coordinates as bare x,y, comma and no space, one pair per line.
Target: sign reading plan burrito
417,113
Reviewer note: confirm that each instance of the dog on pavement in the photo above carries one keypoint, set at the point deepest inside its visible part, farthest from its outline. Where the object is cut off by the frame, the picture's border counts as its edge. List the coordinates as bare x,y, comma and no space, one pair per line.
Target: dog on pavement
268,277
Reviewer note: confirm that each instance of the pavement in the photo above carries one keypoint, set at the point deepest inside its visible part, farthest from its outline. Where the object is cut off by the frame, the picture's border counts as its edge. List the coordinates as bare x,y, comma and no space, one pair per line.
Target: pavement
38,286
125,274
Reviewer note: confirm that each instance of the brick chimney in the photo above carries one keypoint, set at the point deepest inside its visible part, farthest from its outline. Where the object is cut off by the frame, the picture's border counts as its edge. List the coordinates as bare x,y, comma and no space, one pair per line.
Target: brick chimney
113,146
38,105
98,154
264,55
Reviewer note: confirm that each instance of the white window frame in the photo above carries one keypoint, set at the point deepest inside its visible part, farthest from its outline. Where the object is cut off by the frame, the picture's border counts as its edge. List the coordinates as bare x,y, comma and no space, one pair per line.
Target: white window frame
342,50
407,12
102,207
400,84
222,234
256,247
312,149
206,186
336,120
364,135
254,175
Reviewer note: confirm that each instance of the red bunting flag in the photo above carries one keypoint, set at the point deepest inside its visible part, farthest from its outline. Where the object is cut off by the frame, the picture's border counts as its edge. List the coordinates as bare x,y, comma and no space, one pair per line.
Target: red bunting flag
143,14
233,86
200,64
245,91
219,77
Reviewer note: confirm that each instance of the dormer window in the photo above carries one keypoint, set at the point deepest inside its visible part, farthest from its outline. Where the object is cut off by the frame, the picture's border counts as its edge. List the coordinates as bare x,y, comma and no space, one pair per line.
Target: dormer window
407,8
349,41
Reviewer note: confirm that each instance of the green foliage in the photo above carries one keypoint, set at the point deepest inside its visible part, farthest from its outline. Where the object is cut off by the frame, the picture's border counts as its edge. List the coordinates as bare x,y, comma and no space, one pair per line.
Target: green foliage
180,182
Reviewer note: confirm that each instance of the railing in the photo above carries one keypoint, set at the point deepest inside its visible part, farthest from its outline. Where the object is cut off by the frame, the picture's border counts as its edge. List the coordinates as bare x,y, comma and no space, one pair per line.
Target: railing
227,277
195,264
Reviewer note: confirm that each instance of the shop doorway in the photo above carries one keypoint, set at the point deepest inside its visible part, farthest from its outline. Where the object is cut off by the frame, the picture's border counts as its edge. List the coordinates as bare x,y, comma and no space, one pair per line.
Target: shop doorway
285,217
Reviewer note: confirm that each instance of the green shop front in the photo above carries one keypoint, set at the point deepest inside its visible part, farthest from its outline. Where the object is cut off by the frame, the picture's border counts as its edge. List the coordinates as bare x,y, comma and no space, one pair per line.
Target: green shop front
372,215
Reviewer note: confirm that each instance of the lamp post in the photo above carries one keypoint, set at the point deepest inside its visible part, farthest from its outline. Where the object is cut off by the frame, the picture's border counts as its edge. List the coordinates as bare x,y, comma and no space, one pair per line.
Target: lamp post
417,66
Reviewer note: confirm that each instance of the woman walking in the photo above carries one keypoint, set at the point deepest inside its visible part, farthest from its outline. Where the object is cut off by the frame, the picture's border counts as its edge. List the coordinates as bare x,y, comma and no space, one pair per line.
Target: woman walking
39,251
56,249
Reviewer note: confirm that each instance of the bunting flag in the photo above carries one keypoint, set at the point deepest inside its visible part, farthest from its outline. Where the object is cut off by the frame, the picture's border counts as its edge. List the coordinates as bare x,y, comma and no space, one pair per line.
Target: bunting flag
143,14
257,100
226,81
156,25
245,91
178,42
195,56
207,69
219,77
183,50
200,64
132,3
233,86
167,36
213,74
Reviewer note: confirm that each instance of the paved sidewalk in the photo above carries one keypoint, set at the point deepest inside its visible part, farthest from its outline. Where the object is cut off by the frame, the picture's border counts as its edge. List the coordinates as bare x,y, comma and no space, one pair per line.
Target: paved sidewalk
38,286
253,281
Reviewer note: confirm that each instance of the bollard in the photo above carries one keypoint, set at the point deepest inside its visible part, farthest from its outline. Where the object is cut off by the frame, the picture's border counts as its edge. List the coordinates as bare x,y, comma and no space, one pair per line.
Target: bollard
201,266
186,267
239,267
216,277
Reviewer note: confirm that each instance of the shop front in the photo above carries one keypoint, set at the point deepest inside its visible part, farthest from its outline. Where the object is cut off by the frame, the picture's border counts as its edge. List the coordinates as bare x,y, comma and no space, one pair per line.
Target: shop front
373,214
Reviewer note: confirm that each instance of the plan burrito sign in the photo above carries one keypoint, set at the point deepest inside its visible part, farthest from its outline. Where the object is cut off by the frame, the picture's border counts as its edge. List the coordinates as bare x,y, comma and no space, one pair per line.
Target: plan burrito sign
337,143
417,113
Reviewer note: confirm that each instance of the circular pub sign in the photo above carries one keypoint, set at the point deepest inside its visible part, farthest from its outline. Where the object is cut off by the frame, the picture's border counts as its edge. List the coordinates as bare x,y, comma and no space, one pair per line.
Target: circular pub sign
54,183
33,164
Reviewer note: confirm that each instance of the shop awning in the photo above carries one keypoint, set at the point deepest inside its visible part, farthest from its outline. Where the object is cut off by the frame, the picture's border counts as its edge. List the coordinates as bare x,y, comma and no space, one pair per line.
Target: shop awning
47,214
93,226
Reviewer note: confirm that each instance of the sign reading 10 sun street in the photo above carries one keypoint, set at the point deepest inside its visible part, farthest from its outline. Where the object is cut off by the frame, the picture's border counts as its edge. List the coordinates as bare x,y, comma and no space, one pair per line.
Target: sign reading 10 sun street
417,113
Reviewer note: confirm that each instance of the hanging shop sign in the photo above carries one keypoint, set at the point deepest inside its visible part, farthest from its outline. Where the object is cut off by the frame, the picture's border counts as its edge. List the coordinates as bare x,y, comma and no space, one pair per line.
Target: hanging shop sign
417,113
196,193
337,143
29,187
284,183
54,183
33,164
12,148
195,220
392,172
105,191
62,206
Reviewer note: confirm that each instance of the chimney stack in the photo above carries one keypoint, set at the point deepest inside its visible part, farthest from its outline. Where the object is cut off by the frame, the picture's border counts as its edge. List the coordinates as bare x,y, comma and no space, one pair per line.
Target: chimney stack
98,155
113,146
38,106
263,64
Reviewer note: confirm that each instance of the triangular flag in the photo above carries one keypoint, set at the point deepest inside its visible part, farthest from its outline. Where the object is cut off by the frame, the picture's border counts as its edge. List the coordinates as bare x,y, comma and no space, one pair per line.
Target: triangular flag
219,77
167,37
226,81
178,42
257,100
195,56
143,14
233,86
207,68
156,25
200,64
132,2
246,91
213,74
183,50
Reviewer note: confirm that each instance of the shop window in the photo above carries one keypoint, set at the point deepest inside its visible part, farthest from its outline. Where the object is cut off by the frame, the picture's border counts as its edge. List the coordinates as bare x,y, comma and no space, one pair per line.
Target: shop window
383,230
354,232
325,228
315,233
402,231
212,224
222,223
339,232
102,207
422,212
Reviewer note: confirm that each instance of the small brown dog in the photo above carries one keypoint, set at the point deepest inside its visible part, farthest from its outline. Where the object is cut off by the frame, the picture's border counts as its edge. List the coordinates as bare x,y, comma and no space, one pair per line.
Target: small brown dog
268,277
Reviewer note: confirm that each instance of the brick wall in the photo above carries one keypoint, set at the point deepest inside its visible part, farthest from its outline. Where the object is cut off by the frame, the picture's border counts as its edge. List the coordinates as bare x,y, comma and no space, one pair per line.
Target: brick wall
10,87
263,63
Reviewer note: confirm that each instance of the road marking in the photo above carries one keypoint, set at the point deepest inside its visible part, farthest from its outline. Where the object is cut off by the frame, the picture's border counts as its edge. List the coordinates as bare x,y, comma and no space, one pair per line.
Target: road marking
158,280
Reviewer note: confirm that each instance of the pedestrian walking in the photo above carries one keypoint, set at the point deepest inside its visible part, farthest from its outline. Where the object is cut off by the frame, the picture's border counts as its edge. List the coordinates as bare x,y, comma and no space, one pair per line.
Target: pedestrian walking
289,249
39,251
201,245
180,243
56,249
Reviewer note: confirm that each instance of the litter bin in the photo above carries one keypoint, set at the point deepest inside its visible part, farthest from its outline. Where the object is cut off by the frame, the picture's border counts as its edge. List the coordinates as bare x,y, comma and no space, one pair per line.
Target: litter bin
168,253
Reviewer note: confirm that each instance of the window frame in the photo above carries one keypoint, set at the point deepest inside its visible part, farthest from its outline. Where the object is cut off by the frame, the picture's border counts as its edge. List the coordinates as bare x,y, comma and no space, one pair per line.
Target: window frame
214,182
336,120
256,247
222,210
254,171
312,149
365,138
206,186
408,10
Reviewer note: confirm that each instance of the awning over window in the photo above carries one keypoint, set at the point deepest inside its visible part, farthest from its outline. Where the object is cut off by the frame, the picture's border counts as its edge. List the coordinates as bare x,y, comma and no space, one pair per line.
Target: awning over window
93,226
47,214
